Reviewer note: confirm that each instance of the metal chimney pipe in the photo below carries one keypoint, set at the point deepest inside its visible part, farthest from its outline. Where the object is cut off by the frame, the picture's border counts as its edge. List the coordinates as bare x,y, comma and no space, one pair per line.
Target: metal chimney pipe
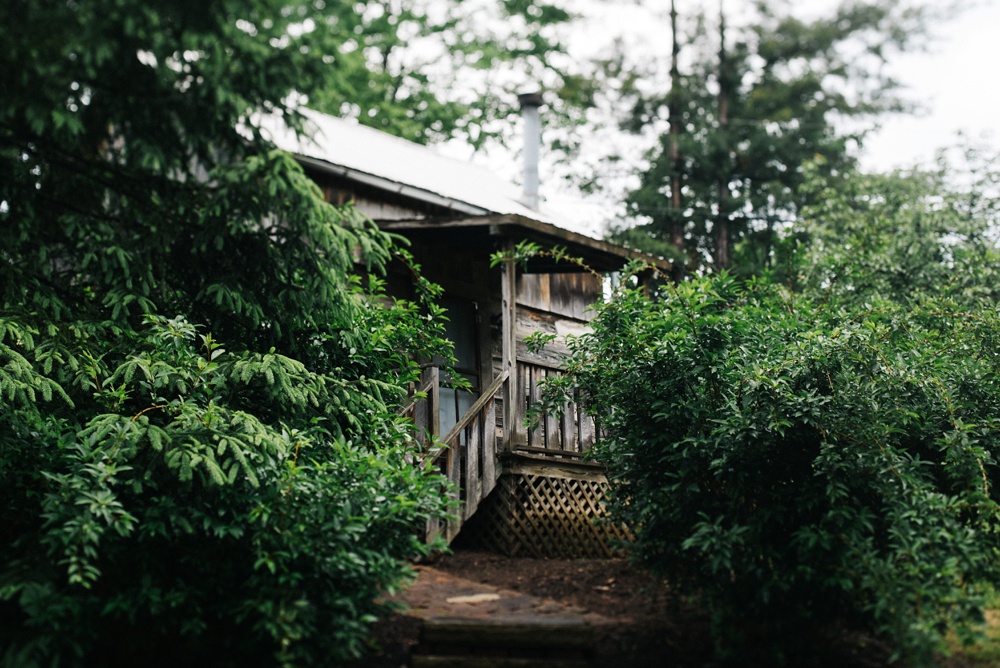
530,102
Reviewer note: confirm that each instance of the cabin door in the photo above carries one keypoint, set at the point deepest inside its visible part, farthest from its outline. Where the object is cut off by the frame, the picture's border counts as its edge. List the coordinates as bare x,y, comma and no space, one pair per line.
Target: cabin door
462,330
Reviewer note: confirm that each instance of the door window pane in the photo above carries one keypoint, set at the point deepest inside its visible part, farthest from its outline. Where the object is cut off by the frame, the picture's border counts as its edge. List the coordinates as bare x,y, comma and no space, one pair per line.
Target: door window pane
461,330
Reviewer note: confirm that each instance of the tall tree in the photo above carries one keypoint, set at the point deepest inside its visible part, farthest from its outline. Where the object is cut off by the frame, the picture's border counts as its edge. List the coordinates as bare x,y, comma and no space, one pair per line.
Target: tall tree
720,232
429,70
674,110
163,497
772,93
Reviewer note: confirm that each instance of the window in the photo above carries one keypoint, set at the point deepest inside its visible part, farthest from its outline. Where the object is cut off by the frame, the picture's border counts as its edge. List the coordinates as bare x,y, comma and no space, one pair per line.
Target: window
462,330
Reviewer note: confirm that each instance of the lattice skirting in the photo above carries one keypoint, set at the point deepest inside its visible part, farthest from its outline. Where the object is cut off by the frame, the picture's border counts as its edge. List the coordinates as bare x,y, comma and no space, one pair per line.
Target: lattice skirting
546,517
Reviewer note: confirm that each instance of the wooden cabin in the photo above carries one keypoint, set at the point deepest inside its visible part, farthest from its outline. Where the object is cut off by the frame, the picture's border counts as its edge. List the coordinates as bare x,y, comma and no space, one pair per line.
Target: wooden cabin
524,488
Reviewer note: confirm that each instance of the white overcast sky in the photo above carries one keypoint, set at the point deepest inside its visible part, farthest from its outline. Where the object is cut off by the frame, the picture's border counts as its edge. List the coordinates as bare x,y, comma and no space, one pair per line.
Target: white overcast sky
958,81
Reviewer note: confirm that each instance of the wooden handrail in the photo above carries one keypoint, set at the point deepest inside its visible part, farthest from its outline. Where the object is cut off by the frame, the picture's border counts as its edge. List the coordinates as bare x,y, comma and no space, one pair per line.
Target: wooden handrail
540,364
423,389
473,411
551,452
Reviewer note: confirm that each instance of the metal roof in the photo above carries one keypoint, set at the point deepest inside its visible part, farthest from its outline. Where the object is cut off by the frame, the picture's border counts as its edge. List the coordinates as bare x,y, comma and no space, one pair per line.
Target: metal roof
370,156
366,155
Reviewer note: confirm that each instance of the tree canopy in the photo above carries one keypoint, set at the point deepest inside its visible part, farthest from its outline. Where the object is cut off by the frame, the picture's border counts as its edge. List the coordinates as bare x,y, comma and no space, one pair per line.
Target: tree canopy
899,236
748,101
200,457
428,70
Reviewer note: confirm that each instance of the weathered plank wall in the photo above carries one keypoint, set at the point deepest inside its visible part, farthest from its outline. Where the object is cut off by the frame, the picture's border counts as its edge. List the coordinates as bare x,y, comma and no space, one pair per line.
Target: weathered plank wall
556,304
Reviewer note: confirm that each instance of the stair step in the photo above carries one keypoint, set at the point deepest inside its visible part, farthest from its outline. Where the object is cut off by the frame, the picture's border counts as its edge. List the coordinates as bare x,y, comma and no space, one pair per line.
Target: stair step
535,642
536,633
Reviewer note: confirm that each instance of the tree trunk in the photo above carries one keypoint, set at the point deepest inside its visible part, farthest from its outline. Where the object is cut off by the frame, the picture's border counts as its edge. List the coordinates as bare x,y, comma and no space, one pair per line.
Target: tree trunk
676,213
721,229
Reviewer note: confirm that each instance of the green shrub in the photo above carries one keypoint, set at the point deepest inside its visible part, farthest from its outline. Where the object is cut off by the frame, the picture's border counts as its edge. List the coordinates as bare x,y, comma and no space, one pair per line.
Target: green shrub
179,523
802,466
163,501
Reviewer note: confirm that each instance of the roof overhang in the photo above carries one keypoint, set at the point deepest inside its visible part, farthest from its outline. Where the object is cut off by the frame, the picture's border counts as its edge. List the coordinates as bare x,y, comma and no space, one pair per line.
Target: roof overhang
596,254
391,186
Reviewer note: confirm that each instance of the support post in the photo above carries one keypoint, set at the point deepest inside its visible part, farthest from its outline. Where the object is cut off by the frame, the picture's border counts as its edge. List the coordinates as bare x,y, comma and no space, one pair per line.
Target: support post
508,291
434,401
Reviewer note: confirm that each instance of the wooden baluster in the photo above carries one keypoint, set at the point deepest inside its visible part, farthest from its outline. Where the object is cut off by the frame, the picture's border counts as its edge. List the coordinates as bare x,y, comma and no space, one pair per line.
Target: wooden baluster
434,402
585,428
473,483
569,440
536,435
454,473
489,449
521,393
553,439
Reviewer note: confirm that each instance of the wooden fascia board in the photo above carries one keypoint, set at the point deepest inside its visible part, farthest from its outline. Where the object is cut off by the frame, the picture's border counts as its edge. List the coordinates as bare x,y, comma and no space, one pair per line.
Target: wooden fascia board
608,256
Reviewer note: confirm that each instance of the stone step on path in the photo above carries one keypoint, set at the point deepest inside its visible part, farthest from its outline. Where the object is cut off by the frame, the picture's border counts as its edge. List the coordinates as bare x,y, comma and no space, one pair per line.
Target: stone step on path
475,643
468,624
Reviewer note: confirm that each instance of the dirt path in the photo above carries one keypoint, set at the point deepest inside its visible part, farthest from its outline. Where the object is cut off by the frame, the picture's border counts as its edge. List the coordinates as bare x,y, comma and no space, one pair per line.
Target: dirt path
637,621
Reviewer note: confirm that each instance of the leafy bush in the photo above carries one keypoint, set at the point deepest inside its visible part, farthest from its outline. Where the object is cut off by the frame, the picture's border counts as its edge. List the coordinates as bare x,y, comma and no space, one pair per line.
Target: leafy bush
180,522
802,465
163,500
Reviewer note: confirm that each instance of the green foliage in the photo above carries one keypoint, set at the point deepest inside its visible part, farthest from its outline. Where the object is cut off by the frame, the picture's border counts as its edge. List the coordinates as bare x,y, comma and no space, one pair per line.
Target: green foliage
752,103
800,465
211,532
524,251
899,236
428,70
162,495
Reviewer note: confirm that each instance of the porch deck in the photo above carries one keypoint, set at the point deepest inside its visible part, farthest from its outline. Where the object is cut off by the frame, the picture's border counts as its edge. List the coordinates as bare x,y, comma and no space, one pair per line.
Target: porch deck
527,490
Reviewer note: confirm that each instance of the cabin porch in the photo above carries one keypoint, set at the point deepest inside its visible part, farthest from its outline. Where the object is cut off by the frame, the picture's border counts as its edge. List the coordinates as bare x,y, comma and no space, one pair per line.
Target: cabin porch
523,488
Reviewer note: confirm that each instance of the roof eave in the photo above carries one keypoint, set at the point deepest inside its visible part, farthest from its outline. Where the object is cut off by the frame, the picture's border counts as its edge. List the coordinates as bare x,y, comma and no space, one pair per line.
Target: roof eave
600,255
389,185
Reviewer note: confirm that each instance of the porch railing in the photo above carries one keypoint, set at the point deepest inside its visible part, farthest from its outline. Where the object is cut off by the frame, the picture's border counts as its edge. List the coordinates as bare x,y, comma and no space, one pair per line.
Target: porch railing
423,406
569,434
467,455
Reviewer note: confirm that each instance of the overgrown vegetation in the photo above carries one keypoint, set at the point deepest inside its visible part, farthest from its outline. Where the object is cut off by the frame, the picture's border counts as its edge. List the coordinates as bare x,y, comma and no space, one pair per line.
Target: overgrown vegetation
803,464
200,457
817,455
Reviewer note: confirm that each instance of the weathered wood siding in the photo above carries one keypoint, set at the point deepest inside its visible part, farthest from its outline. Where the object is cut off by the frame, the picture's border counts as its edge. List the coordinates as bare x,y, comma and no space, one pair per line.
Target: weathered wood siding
384,211
569,295
379,205
556,304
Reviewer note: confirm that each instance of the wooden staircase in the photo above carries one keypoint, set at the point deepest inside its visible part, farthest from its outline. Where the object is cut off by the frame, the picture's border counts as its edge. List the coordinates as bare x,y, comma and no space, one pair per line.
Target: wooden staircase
467,455
542,458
